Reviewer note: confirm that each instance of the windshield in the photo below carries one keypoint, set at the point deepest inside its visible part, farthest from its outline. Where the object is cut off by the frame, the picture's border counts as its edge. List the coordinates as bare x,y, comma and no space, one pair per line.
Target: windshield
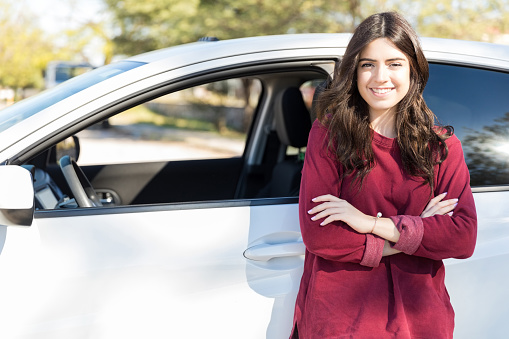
26,108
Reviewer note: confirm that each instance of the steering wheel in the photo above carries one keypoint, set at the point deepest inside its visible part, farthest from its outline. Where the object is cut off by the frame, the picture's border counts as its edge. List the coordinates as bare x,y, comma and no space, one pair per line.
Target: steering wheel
80,186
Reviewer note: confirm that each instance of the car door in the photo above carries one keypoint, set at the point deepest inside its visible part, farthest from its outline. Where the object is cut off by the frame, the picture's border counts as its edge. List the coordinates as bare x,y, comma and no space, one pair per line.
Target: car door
223,268
162,272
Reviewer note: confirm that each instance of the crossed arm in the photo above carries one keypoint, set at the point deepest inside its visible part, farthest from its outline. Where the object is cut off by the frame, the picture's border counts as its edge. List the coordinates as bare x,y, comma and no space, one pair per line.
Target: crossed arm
332,208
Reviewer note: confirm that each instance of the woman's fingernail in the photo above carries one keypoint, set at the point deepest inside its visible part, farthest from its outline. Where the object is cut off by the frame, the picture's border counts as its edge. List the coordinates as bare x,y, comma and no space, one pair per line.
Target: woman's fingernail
445,193
450,214
456,204
310,211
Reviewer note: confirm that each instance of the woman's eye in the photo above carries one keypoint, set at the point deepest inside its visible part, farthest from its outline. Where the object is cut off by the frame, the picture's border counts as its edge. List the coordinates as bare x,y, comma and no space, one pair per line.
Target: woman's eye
395,65
366,65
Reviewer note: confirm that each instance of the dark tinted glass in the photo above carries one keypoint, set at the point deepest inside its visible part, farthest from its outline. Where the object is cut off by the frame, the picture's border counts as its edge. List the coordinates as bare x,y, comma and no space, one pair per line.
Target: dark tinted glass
476,103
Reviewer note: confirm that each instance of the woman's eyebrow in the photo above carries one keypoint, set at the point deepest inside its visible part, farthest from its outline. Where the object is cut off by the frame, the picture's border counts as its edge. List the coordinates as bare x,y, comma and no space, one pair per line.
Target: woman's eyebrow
391,59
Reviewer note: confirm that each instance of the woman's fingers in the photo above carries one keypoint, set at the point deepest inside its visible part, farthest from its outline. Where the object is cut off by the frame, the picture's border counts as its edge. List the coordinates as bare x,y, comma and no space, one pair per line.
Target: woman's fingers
327,212
330,209
437,199
445,206
328,220
431,205
437,206
326,197
328,201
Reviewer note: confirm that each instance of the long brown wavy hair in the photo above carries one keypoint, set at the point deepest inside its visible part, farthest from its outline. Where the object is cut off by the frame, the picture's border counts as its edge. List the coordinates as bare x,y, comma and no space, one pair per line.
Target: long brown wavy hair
345,113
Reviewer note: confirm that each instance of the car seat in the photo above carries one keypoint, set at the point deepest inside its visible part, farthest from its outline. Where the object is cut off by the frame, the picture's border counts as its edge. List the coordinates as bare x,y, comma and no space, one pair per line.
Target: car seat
293,123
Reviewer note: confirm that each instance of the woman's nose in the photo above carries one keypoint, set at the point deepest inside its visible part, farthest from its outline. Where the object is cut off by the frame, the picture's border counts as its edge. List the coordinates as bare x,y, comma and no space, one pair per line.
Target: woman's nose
381,74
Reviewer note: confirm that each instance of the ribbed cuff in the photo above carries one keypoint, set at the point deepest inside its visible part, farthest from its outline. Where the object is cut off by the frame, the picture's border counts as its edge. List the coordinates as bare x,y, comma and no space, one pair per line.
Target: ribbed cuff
373,251
411,232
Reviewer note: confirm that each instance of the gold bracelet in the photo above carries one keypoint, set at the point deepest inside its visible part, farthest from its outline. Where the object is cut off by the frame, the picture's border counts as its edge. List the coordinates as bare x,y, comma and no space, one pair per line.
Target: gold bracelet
378,215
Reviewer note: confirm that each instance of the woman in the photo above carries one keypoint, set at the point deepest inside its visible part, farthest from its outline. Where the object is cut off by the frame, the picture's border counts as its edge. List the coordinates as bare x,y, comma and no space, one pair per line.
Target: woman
372,210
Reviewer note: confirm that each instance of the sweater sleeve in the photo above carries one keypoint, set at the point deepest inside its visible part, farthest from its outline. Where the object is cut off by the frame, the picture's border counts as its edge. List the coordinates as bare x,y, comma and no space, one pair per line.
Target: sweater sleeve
443,236
336,241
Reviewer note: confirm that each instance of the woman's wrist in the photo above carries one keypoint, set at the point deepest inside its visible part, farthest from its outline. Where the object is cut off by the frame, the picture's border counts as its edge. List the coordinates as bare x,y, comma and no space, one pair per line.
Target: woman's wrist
378,215
388,250
385,228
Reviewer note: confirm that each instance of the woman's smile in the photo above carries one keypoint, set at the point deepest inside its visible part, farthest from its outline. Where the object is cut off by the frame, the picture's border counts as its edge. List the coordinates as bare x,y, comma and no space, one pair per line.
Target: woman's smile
381,91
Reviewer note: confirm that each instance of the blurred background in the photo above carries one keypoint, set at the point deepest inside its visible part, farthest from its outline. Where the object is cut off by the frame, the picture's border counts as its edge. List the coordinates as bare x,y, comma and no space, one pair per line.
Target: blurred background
35,34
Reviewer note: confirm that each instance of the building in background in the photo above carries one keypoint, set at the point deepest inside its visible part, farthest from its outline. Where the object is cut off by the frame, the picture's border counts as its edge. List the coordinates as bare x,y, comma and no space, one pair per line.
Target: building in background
59,71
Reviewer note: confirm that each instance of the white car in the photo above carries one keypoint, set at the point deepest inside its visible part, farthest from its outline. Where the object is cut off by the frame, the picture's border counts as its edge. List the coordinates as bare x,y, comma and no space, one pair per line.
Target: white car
211,247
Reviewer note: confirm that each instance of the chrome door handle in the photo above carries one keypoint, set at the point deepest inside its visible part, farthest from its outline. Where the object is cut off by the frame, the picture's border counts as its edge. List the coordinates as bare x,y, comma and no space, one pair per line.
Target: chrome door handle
265,252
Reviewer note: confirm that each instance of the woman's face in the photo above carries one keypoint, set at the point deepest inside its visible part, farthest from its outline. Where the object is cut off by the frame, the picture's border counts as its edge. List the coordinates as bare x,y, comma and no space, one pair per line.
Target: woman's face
383,76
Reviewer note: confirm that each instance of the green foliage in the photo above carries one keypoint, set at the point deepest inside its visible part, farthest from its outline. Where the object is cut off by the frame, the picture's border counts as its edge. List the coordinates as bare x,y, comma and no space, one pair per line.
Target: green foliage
23,51
144,26
147,25
486,20
466,19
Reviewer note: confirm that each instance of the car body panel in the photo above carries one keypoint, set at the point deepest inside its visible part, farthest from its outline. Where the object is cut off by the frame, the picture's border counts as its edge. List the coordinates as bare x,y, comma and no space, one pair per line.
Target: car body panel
136,274
475,284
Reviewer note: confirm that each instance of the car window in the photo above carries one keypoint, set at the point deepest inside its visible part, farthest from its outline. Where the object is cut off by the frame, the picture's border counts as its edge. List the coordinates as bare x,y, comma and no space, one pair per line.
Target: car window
209,121
26,108
476,103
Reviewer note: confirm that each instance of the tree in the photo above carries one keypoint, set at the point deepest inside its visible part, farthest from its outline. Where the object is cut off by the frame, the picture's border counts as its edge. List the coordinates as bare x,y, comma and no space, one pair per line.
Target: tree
466,19
144,26
23,51
476,20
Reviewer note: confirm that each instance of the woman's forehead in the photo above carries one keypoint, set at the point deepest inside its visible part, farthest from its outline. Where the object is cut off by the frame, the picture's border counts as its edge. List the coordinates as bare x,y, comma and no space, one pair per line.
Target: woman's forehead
382,49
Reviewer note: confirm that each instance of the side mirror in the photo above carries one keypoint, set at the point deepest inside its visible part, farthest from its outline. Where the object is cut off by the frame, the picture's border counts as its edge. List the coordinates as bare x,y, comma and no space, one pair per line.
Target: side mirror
69,146
16,196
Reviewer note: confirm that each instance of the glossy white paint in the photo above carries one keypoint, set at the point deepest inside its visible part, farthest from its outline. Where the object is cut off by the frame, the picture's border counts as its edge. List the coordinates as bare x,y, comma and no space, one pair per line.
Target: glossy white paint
477,285
179,274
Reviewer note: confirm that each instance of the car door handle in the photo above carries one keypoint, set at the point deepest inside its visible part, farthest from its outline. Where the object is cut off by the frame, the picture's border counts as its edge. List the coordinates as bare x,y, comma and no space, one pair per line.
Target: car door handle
265,252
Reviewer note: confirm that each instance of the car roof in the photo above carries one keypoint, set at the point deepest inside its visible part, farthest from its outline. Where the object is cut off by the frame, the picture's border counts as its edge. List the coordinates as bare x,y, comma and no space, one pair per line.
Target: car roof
436,49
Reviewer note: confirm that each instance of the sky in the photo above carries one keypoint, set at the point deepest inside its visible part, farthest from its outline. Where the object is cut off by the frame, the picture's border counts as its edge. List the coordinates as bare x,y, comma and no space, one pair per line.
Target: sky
55,16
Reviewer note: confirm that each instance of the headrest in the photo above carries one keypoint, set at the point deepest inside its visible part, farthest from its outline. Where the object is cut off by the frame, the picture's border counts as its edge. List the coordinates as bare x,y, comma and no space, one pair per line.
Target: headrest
293,121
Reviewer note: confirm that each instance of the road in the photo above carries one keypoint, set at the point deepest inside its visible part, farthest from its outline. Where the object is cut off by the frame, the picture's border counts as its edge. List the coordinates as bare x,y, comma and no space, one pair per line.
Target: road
109,146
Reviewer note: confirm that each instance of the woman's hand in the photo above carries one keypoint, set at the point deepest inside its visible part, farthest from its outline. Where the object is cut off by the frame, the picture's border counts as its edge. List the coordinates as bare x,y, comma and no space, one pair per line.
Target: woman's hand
437,206
335,209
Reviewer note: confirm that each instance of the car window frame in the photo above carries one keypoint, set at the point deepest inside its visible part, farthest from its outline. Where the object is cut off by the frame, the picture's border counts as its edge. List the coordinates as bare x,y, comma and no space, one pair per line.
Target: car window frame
318,65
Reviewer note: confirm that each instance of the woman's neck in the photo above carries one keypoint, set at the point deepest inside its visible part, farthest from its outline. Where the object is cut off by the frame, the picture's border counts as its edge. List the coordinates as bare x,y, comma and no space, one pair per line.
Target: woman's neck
384,123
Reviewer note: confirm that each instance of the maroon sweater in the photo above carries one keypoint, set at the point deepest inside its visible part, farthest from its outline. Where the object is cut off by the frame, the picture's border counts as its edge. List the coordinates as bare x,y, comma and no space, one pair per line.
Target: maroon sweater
348,290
